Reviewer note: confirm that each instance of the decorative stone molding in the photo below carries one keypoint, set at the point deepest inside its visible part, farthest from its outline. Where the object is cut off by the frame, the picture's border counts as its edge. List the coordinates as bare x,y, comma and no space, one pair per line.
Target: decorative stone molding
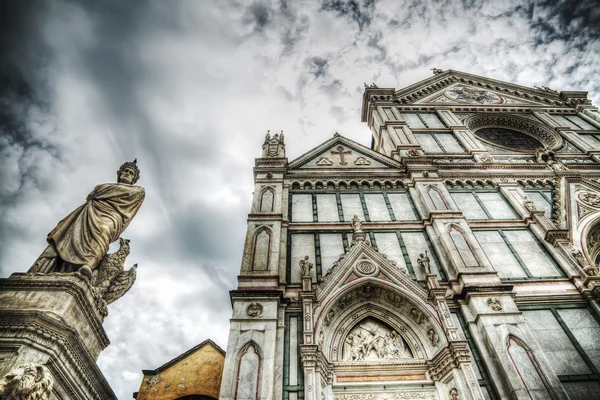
549,138
590,199
254,310
494,304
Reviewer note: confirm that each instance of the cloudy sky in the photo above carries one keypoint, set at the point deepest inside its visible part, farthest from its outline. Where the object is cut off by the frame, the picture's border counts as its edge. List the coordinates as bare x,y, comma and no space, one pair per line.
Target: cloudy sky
190,88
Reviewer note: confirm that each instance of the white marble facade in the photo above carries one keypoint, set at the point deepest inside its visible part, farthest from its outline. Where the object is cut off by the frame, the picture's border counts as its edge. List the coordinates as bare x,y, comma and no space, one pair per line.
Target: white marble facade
473,273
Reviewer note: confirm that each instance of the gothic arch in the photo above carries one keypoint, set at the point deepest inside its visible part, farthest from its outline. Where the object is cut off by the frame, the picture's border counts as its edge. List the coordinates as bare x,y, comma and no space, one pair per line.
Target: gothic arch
267,199
261,249
461,245
436,198
248,371
405,312
527,367
589,239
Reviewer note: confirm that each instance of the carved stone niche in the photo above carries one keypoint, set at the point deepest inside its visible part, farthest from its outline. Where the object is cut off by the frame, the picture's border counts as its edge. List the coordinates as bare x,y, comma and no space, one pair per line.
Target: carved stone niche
52,320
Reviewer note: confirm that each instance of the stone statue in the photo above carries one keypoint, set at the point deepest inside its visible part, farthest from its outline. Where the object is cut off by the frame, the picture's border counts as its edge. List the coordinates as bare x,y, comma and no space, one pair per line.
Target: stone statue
454,394
112,281
528,204
423,262
28,382
436,71
356,224
81,239
588,268
305,266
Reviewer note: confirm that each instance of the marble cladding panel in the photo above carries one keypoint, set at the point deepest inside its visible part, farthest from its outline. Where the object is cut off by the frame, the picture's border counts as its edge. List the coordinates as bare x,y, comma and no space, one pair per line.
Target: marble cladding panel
432,120
540,202
416,243
293,356
529,251
467,203
401,207
388,244
530,375
327,210
428,143
332,247
413,120
499,254
377,208
586,330
449,142
302,210
351,206
303,244
582,390
555,343
591,140
247,382
496,206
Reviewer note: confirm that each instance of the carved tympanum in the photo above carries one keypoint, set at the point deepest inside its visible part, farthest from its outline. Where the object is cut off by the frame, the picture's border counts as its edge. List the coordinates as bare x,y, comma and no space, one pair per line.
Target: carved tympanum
27,382
81,239
372,340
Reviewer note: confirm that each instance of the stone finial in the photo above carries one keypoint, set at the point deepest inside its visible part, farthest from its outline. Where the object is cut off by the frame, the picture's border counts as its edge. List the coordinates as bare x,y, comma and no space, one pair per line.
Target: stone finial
27,382
274,146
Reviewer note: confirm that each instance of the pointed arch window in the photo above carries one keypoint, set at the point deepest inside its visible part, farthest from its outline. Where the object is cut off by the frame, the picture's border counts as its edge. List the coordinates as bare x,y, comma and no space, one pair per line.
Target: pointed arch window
436,198
462,246
248,374
262,250
267,199
528,369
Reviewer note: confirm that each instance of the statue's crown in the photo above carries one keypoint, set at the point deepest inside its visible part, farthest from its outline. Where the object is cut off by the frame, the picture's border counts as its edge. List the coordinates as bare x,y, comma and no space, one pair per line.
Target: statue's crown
132,165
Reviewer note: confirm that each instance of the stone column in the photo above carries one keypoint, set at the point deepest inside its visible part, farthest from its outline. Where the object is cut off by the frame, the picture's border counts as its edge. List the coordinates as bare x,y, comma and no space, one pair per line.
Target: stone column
52,320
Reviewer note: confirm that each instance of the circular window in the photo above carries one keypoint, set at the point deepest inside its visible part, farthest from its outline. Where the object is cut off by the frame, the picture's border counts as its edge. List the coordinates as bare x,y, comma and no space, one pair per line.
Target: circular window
509,139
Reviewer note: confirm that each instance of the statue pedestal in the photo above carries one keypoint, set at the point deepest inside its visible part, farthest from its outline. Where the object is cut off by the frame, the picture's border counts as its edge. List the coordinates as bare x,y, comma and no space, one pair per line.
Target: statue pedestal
52,320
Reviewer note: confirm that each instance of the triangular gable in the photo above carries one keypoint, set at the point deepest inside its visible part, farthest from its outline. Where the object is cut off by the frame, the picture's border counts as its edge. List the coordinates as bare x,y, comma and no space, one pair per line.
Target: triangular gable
183,356
340,152
362,260
480,90
460,93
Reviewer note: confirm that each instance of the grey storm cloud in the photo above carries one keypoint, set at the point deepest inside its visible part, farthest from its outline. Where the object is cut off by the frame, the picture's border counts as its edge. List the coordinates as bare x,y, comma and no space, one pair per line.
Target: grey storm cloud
189,89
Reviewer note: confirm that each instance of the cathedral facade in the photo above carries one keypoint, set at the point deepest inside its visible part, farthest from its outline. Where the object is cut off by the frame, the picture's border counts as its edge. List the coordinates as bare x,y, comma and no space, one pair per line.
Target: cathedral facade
454,258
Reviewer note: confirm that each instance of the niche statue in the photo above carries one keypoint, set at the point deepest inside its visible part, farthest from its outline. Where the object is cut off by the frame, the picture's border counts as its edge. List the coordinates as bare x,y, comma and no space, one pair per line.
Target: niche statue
81,239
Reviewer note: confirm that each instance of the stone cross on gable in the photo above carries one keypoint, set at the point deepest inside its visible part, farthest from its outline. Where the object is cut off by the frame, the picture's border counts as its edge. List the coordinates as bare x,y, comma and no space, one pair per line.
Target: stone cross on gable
340,152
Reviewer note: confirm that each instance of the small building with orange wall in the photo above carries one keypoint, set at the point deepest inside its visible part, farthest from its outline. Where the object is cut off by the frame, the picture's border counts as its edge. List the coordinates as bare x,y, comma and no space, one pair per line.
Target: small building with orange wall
193,375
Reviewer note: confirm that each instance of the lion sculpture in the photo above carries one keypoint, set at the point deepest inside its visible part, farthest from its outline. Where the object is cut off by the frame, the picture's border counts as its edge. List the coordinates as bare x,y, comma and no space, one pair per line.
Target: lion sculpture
28,382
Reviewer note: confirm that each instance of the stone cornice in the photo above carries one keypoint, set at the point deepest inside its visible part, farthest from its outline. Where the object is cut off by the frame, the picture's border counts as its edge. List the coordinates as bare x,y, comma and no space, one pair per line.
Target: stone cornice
52,335
78,287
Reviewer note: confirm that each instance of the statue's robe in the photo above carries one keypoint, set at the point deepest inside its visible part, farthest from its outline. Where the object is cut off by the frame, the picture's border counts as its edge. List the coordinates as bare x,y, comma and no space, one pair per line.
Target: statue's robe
82,238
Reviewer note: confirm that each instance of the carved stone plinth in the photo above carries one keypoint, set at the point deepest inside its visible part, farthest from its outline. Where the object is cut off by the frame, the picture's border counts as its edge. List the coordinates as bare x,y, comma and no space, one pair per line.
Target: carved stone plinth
52,320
